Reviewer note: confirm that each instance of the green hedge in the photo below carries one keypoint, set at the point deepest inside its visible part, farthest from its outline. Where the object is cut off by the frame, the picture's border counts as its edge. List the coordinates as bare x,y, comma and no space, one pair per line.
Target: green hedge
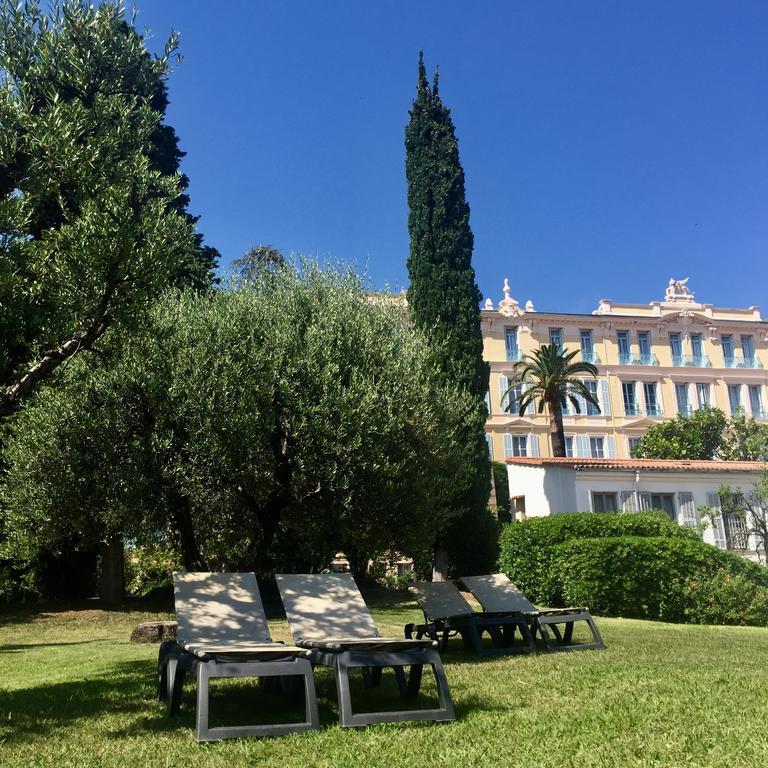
527,549
633,565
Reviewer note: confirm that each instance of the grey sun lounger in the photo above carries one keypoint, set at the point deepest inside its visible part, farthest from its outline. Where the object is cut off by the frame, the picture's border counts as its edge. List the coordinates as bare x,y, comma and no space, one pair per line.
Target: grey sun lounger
327,614
497,593
448,614
222,632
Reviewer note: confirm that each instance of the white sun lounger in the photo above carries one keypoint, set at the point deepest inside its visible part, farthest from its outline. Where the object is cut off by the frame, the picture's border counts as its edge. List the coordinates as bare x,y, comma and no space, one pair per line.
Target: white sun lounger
222,632
327,614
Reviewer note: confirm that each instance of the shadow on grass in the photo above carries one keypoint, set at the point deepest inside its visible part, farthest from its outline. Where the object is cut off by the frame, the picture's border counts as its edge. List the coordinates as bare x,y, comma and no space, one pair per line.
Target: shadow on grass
19,647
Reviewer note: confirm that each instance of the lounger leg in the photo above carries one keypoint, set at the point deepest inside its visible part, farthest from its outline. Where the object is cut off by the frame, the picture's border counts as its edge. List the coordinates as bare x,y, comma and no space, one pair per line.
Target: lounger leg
346,660
175,675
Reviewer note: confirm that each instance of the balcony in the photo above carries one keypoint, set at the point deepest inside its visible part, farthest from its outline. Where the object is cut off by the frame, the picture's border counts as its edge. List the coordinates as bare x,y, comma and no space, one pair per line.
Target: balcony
590,357
638,360
632,409
692,361
742,362
759,413
654,410
514,356
685,410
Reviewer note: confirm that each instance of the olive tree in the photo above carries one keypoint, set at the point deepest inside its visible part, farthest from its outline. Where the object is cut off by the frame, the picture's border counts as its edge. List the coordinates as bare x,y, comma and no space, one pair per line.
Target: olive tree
267,425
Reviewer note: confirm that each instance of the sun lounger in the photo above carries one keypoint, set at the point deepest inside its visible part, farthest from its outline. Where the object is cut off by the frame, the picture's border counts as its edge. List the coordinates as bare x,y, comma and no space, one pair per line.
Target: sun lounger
327,614
497,593
223,632
448,614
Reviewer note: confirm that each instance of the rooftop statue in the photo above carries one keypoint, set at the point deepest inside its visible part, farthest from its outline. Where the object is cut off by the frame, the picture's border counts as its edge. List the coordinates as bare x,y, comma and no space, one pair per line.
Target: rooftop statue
677,290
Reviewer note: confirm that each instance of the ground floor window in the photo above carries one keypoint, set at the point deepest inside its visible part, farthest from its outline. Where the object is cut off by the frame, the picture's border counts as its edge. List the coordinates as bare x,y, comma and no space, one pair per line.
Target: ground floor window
603,502
664,502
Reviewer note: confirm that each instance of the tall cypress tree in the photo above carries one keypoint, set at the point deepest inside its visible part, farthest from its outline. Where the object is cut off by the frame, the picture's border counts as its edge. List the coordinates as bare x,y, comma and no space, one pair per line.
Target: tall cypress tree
444,298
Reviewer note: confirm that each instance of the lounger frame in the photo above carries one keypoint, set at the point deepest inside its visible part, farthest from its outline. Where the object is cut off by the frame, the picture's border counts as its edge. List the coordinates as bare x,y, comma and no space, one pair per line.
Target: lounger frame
371,654
268,662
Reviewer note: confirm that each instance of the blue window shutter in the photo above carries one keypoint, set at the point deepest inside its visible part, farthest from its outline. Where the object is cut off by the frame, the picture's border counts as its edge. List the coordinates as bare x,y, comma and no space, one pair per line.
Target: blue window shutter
508,451
533,444
605,399
503,399
610,448
582,446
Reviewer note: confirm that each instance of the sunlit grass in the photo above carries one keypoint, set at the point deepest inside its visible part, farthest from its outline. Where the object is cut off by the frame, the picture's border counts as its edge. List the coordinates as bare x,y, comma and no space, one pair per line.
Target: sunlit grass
74,692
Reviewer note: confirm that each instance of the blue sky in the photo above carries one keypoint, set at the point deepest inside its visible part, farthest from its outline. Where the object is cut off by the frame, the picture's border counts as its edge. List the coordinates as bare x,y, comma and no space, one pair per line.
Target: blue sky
607,146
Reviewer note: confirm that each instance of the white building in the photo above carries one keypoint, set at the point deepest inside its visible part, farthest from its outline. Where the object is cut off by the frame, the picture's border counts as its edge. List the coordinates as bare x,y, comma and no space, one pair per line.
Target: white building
551,486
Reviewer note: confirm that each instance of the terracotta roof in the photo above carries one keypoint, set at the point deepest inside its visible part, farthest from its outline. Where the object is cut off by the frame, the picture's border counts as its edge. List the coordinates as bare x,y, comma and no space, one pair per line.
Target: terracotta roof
669,465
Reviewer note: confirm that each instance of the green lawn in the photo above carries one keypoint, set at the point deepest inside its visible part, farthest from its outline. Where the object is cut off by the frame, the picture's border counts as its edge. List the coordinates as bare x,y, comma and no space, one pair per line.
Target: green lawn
74,692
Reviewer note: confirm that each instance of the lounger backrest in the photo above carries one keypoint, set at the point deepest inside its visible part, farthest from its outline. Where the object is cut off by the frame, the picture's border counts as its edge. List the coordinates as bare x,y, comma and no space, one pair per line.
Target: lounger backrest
440,599
219,608
497,594
324,605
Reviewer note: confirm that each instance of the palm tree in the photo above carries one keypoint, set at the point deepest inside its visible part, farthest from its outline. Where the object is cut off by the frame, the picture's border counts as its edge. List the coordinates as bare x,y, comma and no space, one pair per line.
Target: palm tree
550,374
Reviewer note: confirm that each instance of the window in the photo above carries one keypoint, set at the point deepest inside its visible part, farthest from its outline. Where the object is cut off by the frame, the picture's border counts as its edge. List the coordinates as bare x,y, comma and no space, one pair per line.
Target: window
489,442
756,401
632,443
676,348
736,535
702,395
630,402
510,341
652,407
587,346
569,447
665,502
727,344
592,410
683,402
556,336
697,349
644,343
596,447
734,397
515,445
603,502
622,338
748,350
514,404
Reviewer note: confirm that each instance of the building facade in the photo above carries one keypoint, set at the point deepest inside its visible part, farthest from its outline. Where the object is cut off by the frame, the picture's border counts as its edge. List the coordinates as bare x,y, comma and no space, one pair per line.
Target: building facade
654,361
686,491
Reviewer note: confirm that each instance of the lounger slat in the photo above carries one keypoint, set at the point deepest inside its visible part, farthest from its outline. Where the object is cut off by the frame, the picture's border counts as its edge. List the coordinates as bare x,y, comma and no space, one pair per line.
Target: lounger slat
497,594
325,605
219,609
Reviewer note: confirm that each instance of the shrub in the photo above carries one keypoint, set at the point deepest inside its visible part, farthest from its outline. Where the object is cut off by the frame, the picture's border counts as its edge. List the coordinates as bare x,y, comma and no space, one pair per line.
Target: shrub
475,554
632,576
528,549
501,482
148,568
722,598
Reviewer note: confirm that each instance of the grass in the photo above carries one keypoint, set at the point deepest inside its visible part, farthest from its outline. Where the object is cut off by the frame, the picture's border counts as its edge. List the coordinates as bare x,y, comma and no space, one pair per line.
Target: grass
74,692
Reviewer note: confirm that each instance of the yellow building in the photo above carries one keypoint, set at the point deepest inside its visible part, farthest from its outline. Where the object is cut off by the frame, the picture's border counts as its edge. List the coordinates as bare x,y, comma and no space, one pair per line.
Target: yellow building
654,360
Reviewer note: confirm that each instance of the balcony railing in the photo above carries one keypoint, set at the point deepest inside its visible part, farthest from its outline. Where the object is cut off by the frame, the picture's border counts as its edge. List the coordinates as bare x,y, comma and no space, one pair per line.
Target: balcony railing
742,362
590,357
632,409
654,410
694,361
759,413
685,410
638,360
514,356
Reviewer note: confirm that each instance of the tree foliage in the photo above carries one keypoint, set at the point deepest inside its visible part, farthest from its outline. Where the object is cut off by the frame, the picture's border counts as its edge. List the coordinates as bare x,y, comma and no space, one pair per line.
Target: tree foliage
550,376
443,297
272,424
749,505
93,220
706,434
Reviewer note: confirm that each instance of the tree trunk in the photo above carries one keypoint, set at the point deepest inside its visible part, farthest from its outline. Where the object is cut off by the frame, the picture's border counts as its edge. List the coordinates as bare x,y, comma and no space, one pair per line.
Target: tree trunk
112,571
440,563
181,516
556,431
